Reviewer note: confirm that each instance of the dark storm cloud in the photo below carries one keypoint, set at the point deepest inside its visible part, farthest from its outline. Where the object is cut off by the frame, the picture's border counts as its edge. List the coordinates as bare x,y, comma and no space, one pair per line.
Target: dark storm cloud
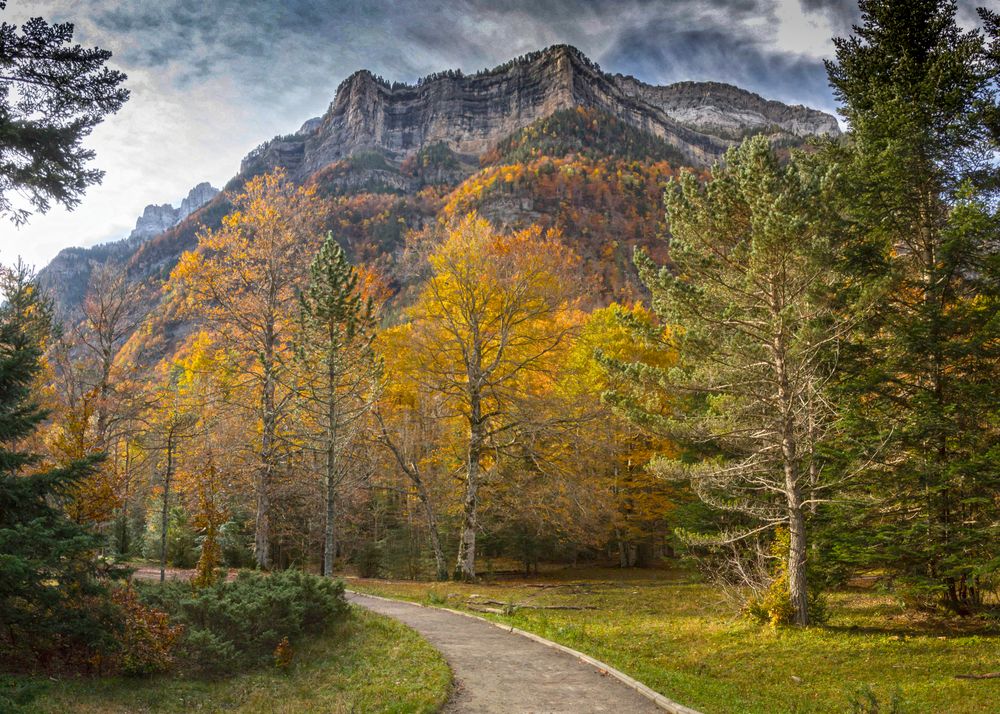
288,52
672,53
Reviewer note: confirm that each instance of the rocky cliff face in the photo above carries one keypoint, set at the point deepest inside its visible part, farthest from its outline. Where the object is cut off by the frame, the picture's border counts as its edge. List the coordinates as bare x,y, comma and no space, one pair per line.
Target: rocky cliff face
156,219
374,129
472,113
67,276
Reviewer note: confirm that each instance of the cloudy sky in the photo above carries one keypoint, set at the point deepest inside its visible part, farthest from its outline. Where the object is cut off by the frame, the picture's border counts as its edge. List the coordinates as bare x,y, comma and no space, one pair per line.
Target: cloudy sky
211,79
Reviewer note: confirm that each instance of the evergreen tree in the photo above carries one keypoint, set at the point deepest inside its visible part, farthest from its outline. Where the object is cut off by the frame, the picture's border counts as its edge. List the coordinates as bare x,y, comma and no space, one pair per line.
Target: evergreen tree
52,95
744,298
339,372
50,597
919,380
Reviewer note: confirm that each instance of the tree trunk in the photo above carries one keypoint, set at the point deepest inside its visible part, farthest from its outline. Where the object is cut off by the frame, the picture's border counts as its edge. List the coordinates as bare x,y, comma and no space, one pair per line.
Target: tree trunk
332,430
165,516
262,529
440,564
465,568
329,532
622,551
797,584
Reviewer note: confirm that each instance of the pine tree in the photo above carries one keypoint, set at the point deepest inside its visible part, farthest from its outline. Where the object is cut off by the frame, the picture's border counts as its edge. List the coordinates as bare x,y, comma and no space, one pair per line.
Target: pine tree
919,381
52,95
338,372
50,598
743,297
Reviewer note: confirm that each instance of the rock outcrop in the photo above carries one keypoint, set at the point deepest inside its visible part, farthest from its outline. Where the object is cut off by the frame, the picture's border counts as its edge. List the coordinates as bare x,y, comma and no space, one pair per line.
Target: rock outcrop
67,276
156,219
471,113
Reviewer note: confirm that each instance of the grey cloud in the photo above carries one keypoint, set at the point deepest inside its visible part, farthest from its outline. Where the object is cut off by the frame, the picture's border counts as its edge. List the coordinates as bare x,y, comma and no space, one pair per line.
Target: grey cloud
670,53
843,14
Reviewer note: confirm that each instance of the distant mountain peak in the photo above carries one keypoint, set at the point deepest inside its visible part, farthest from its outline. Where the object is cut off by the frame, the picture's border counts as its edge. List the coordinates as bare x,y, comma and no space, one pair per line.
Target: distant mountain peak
157,218
66,278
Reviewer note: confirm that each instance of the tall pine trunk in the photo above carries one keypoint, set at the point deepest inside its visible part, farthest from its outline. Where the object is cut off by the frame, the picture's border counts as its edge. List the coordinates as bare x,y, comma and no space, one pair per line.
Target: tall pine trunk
329,532
798,590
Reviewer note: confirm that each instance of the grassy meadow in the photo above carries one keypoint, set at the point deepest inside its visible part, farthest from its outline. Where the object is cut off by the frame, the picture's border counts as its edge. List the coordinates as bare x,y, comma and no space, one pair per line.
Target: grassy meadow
367,663
682,639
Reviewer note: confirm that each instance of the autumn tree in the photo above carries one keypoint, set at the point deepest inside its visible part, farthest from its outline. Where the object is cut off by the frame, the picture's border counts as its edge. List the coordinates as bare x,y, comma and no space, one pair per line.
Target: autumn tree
410,420
172,422
751,329
618,450
918,383
112,310
241,281
493,308
338,373
99,395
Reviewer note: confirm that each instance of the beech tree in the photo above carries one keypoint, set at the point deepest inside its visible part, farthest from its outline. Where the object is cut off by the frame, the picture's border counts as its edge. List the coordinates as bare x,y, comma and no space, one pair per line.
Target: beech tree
410,422
744,294
242,281
617,450
52,94
493,308
338,374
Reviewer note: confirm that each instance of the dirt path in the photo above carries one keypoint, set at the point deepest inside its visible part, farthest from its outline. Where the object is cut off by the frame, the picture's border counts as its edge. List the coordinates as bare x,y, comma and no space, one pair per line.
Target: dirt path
498,672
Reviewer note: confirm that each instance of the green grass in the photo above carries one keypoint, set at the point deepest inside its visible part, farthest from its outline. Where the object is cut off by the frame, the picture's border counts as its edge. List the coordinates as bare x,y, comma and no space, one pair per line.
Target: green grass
681,639
366,664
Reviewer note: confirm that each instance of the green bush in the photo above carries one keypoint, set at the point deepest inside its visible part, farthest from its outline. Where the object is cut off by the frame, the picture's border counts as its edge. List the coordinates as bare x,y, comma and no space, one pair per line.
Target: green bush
368,559
774,606
238,624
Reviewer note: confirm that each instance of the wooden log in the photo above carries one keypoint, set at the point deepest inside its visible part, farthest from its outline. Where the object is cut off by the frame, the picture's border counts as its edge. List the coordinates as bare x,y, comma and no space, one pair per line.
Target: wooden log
519,606
987,675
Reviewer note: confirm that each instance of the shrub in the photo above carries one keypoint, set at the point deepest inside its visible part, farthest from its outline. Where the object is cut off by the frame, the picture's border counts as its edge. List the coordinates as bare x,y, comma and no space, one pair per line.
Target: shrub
283,654
368,559
239,624
147,640
774,606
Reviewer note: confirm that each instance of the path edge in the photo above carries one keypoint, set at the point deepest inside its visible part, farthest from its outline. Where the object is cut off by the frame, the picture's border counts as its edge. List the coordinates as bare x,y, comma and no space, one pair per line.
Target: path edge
661,701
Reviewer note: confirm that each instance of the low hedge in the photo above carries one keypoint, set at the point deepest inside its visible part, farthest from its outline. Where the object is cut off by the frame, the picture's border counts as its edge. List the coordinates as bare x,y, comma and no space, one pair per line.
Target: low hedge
236,625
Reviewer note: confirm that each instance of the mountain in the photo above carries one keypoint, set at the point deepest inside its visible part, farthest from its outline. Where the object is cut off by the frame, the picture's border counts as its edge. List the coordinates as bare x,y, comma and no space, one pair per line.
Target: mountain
546,138
66,277
470,114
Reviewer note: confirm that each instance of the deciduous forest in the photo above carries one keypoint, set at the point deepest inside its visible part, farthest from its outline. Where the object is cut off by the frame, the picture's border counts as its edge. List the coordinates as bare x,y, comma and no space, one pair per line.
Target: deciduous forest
774,377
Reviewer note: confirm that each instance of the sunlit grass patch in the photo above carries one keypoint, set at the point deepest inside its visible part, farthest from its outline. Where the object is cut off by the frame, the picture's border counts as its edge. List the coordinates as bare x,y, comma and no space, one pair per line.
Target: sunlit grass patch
681,638
368,663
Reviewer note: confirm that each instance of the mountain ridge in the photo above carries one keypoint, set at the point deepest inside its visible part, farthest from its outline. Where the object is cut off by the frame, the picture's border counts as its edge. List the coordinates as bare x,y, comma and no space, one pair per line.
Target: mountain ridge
67,275
448,125
470,113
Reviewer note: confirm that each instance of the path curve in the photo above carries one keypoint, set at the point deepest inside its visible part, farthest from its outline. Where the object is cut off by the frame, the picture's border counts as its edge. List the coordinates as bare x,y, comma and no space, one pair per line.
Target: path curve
502,672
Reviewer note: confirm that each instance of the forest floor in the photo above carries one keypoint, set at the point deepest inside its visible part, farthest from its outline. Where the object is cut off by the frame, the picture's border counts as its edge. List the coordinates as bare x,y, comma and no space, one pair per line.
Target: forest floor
682,639
368,663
